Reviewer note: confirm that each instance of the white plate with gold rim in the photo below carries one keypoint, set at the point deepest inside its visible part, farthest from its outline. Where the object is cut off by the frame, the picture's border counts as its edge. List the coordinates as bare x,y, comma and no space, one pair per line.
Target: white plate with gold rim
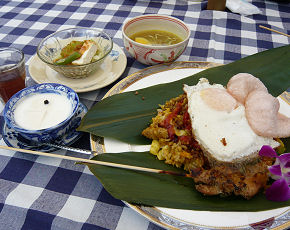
110,70
189,219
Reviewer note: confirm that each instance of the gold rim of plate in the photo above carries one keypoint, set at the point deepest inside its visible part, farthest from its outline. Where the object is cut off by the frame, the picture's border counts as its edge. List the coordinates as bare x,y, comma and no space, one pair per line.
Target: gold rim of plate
152,213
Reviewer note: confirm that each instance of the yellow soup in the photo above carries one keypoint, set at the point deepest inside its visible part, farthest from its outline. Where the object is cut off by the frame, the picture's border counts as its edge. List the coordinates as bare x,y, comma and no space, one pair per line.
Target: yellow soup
156,38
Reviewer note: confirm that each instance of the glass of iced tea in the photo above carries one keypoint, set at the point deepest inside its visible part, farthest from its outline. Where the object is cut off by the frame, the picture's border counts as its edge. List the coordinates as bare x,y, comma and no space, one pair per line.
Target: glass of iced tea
12,72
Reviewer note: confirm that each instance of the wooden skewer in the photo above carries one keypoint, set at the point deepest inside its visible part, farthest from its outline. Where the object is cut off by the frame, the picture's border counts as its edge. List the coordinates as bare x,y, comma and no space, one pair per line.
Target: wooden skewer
263,27
104,163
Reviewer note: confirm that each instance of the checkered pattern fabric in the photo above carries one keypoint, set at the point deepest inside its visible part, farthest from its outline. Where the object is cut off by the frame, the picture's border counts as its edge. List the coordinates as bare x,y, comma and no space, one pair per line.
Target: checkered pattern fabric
43,193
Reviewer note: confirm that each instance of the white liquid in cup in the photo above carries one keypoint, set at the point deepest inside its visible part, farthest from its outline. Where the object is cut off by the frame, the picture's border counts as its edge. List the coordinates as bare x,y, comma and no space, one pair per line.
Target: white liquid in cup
41,111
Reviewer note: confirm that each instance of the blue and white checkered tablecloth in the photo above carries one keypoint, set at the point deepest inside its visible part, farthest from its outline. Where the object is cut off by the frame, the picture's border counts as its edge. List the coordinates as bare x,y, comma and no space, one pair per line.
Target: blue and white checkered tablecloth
42,193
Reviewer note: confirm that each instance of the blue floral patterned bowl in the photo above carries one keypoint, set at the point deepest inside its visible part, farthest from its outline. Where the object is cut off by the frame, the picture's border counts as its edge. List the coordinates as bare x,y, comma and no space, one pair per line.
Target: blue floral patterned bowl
50,133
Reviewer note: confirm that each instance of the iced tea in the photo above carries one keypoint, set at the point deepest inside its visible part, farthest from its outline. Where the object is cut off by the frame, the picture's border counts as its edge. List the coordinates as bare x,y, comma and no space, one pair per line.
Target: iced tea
12,72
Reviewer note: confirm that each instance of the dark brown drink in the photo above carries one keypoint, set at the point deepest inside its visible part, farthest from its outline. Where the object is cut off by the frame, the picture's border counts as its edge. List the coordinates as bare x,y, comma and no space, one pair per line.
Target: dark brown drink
216,5
12,72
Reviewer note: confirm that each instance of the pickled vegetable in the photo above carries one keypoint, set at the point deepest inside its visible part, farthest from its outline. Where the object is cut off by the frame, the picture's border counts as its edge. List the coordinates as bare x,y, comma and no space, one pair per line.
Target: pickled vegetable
79,53
71,48
69,59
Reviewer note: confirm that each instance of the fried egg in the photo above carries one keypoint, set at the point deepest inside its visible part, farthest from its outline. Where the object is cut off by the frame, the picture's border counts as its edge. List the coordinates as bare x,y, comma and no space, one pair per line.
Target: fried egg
219,123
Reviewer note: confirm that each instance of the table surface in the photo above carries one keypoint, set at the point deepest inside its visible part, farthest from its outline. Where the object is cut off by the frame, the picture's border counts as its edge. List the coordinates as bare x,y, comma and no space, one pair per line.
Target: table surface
42,193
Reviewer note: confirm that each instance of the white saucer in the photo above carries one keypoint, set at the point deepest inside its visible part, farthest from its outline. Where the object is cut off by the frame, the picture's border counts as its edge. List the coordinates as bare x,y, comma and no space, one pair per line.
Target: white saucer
111,69
13,139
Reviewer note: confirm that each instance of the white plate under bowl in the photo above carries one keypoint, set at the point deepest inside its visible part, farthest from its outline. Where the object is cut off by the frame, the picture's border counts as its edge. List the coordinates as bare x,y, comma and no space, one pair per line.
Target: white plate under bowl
188,219
110,70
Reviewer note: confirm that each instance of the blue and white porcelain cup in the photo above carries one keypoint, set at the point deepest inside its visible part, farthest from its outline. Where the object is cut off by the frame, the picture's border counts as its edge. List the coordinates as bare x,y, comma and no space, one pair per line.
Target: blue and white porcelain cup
47,134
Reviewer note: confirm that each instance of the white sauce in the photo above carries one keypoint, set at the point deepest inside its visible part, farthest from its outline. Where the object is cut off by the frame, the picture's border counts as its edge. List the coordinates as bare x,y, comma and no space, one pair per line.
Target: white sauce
33,114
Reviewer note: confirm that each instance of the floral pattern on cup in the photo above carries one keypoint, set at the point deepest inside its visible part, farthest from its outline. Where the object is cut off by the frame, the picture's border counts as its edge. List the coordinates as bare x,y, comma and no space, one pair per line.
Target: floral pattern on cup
150,54
154,56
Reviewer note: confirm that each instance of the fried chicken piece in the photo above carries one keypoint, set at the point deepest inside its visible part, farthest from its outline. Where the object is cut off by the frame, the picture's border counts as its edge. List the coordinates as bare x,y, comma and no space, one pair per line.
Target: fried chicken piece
225,180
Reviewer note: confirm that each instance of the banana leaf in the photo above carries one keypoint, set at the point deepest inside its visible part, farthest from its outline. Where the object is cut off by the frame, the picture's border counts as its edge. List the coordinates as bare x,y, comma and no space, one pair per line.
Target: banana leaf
164,190
124,116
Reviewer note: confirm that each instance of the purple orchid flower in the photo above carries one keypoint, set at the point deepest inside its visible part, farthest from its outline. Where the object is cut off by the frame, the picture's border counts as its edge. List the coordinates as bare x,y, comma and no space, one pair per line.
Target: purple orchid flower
280,171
